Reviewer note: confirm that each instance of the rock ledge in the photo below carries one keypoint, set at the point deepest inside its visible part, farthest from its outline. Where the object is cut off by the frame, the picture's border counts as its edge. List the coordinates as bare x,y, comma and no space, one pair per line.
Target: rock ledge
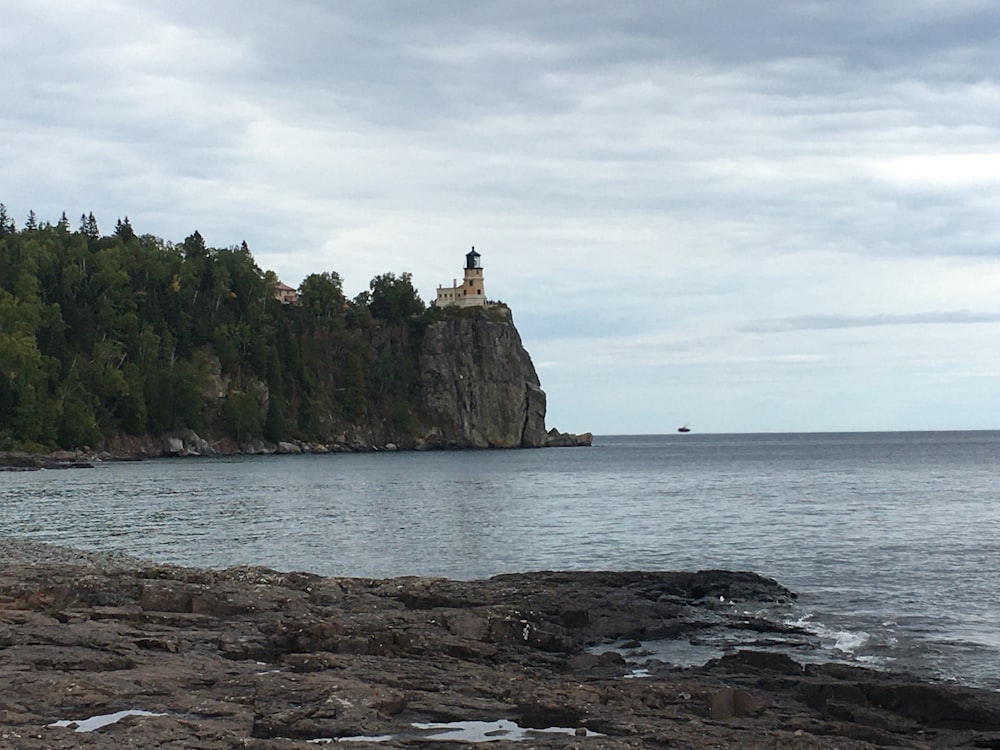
256,658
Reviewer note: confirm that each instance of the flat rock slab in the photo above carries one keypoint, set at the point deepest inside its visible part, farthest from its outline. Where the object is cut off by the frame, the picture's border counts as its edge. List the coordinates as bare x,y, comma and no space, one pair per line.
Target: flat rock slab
136,655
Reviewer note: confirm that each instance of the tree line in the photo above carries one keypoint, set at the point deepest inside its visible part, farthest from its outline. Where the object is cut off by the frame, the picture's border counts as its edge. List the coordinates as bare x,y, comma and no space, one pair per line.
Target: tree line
128,333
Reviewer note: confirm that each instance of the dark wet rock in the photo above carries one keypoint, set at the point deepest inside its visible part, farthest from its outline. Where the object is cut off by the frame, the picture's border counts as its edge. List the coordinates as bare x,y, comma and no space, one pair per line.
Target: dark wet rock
255,658
757,662
21,461
556,439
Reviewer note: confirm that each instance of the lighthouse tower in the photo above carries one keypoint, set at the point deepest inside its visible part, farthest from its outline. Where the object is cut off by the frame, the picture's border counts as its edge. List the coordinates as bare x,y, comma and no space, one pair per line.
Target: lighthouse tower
471,291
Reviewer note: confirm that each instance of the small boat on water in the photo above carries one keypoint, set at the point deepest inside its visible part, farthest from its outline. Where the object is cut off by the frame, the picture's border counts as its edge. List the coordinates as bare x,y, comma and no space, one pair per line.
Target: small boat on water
684,428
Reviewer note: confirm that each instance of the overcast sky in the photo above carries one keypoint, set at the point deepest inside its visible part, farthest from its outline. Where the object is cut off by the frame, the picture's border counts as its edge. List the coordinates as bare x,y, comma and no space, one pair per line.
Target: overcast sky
748,216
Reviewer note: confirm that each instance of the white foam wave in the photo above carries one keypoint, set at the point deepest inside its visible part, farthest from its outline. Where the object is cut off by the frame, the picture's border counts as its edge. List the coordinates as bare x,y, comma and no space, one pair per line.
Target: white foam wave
848,642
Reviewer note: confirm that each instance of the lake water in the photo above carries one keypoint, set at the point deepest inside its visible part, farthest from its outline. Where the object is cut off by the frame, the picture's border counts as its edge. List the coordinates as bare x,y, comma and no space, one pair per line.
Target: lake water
890,539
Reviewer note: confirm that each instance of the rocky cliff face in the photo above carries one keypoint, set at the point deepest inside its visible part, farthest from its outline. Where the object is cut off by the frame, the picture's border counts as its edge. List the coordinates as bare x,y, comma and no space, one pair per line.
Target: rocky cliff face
478,386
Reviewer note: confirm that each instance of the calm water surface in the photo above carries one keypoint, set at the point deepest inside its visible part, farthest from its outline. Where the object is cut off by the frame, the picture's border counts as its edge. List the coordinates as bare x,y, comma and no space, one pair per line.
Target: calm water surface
891,539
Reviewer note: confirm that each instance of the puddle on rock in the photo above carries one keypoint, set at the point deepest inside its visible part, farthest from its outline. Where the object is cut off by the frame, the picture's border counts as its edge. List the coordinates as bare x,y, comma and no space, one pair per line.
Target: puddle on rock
96,722
465,731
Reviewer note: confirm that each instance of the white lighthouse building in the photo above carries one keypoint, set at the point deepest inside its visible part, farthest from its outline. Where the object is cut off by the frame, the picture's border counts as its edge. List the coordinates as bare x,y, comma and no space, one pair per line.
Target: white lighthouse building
470,292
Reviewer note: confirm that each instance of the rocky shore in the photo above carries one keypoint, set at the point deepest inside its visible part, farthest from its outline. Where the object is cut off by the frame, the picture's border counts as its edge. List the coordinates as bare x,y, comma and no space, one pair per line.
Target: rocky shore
187,443
100,651
23,461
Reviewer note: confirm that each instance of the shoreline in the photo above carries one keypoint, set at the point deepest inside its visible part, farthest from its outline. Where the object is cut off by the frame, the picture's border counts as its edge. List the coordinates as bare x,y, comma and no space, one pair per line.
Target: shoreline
188,444
256,658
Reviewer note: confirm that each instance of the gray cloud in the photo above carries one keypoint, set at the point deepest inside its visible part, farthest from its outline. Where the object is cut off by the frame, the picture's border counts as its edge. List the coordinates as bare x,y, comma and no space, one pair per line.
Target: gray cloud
643,178
830,322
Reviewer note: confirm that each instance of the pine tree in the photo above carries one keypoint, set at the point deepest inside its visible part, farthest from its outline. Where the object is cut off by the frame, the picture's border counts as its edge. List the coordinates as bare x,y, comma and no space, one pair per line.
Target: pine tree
32,223
63,225
124,230
88,226
194,246
7,225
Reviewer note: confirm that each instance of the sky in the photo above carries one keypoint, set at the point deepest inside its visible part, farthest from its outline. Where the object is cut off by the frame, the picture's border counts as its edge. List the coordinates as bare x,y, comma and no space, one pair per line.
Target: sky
750,216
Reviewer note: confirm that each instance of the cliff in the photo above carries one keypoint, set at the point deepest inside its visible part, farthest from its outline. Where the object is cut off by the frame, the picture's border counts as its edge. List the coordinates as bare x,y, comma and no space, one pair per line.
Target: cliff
132,345
478,386
472,385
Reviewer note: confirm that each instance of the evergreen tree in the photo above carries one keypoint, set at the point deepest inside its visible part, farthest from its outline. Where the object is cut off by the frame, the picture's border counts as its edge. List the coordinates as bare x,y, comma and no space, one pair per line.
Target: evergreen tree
7,225
31,224
124,230
194,246
88,226
130,333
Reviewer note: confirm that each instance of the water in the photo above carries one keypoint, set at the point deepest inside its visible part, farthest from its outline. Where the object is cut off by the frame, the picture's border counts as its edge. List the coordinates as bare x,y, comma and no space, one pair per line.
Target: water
891,539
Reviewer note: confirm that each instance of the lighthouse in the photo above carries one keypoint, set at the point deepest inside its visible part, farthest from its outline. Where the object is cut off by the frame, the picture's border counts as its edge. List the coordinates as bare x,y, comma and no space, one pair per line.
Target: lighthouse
470,293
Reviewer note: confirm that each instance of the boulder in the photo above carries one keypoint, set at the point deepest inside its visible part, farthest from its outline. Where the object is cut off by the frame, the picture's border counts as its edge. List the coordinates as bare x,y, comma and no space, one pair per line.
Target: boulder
173,446
556,439
186,443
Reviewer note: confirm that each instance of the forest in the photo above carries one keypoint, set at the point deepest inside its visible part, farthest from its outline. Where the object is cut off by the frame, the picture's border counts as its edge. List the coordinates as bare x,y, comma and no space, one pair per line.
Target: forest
127,333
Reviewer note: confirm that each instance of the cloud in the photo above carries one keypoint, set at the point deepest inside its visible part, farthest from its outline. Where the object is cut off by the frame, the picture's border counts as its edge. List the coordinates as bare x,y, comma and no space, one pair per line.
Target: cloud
828,322
943,170
652,185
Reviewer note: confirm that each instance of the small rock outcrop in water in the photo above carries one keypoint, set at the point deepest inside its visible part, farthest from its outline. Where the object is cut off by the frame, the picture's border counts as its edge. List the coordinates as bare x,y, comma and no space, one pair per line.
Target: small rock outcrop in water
253,658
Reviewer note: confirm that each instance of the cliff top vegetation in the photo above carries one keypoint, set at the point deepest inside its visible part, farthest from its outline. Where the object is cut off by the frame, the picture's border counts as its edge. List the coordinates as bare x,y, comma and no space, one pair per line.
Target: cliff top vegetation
127,333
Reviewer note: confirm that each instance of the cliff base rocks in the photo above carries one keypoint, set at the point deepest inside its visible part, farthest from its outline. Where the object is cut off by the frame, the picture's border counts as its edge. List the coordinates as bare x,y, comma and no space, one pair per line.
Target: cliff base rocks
556,439
130,655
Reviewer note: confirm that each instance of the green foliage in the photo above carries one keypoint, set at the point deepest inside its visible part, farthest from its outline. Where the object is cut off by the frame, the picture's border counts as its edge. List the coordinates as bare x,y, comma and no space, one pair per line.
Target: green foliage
394,299
275,423
88,226
244,415
129,333
77,424
7,225
321,297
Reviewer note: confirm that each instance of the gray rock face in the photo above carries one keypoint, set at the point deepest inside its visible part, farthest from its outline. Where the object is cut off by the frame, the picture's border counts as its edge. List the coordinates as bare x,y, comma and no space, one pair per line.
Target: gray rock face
479,388
186,443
